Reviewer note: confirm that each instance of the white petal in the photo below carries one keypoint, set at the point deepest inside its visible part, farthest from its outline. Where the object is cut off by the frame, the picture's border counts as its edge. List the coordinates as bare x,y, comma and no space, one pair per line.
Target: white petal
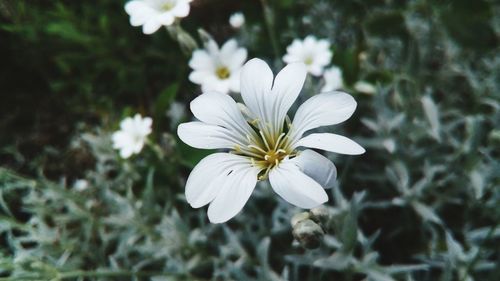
256,83
331,142
286,89
126,152
151,26
201,60
165,18
316,166
237,60
296,187
139,12
205,136
220,109
236,188
120,139
234,82
206,179
181,10
228,48
322,110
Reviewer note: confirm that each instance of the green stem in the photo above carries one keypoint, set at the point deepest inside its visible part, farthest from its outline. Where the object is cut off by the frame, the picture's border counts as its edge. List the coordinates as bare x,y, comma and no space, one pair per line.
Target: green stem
269,21
181,36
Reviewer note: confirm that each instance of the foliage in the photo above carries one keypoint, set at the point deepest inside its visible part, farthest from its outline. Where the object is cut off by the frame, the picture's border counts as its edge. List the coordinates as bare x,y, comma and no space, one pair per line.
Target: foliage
421,204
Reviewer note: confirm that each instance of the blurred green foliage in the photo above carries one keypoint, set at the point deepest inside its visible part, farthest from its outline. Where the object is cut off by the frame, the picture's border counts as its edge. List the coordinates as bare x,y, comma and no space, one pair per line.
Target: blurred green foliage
422,204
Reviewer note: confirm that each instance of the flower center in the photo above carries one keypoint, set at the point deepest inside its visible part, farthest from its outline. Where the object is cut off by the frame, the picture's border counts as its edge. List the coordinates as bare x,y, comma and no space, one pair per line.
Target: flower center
167,6
266,150
223,72
273,158
308,60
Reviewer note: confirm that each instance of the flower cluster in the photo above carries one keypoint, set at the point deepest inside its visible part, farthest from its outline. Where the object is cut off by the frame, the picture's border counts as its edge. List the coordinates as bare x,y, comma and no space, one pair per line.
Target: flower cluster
259,140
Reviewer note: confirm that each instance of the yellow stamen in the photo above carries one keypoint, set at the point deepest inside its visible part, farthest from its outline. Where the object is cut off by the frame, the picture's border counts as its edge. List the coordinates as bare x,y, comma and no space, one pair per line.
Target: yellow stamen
223,72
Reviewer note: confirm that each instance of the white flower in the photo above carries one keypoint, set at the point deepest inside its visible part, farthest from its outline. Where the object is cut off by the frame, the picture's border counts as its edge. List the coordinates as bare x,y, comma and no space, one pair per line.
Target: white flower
314,53
264,145
132,135
218,69
152,14
237,20
80,185
333,79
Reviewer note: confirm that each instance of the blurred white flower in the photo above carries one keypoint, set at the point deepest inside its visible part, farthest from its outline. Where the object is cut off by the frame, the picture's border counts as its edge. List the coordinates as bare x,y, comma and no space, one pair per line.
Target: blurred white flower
237,20
264,146
176,112
365,87
218,69
333,79
314,53
132,135
152,14
80,185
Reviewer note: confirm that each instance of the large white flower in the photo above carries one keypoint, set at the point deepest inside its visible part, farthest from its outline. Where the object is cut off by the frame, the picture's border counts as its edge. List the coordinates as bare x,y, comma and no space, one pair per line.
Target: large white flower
218,69
333,79
314,53
152,14
132,135
262,144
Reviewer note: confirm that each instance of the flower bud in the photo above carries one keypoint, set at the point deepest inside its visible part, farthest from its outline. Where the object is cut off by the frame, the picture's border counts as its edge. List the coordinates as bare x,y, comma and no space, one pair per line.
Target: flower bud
299,217
308,233
320,215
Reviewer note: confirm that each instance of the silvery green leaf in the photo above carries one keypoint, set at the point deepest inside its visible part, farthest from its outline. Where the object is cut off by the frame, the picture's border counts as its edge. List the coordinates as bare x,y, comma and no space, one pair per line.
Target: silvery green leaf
426,212
370,124
398,175
376,275
478,235
389,145
455,250
477,181
396,121
263,251
394,269
337,261
348,234
432,114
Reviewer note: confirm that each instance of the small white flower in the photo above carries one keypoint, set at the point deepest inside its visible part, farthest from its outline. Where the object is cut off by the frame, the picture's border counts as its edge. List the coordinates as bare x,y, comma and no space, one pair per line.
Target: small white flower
237,20
264,146
314,53
132,135
333,79
218,69
152,14
365,87
80,185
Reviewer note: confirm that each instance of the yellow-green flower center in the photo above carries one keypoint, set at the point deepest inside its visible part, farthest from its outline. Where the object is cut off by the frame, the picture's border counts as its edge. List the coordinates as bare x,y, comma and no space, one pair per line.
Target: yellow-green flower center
266,150
168,6
223,72
308,60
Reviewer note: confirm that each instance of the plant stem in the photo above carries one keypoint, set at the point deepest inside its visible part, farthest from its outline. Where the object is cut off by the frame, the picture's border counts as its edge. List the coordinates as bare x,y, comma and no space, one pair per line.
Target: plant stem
269,20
